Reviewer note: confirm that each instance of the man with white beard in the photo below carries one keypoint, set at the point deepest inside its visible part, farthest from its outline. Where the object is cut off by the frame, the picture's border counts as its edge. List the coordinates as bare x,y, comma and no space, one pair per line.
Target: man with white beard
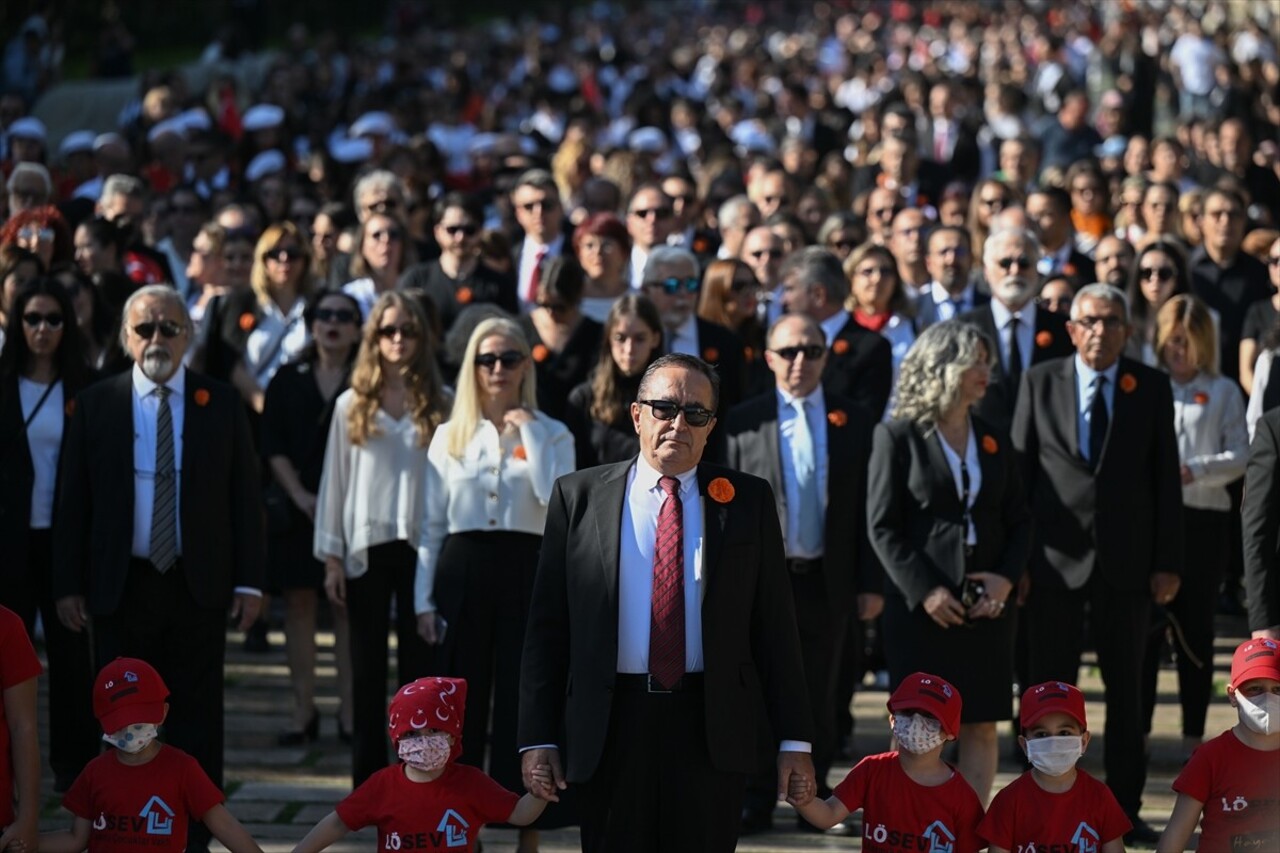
158,532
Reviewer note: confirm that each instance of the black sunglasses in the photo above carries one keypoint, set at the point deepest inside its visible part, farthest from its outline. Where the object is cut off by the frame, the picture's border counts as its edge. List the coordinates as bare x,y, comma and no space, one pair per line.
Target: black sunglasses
667,410
337,315
35,318
1160,273
655,212
1024,262
282,255
465,230
167,328
406,331
811,352
673,285
509,360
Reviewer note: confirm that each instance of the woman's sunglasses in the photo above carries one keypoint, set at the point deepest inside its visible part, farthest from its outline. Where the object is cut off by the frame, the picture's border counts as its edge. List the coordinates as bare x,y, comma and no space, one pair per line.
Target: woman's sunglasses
509,360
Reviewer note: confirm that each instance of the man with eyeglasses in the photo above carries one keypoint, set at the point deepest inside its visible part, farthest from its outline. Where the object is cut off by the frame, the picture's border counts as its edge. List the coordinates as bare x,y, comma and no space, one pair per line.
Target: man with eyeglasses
770,192
735,219
907,242
882,206
813,449
650,221
124,202
950,292
158,531
187,212
671,280
1024,334
1100,462
535,198
763,252
1049,208
661,626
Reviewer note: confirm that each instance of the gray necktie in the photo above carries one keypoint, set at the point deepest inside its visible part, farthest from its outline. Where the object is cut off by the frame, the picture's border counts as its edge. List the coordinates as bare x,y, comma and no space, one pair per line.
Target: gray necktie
164,507
805,457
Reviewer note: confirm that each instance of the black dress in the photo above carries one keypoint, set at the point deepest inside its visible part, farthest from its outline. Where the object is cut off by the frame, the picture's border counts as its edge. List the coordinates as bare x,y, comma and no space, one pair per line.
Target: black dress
450,296
295,424
596,442
560,372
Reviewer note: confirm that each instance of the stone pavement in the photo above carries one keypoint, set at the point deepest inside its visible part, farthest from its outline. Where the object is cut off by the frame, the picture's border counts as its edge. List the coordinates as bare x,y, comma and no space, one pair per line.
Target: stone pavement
279,793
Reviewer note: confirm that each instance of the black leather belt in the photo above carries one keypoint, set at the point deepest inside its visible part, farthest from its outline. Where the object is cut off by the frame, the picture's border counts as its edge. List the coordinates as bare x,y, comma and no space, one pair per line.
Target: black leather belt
798,566
626,682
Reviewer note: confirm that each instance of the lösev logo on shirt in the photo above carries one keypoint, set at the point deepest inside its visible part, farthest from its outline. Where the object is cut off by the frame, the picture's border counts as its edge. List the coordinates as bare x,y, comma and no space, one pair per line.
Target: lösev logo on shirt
1084,840
451,833
156,818
935,838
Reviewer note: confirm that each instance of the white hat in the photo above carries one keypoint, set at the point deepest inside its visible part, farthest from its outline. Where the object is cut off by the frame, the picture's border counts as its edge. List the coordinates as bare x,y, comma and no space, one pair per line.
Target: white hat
350,150
195,119
29,127
266,163
482,143
75,142
751,137
102,140
263,117
373,124
169,125
647,140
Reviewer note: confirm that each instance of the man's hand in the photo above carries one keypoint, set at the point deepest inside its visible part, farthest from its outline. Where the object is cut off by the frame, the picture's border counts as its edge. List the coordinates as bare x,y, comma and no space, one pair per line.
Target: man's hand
335,581
1024,588
943,608
245,608
1164,586
796,768
534,764
870,605
72,613
430,627
1272,633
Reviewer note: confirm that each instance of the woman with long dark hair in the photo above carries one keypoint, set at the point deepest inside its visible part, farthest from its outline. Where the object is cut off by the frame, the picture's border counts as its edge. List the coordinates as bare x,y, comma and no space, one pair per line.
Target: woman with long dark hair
1159,273
563,341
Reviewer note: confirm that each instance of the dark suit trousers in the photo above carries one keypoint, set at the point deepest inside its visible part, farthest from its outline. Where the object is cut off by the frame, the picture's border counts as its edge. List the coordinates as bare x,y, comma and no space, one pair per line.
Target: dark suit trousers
73,730
1118,621
391,567
655,790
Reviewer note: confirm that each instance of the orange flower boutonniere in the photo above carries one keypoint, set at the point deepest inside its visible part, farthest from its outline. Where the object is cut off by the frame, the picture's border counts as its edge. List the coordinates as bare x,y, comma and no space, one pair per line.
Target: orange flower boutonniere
840,347
1044,339
520,452
1069,269
201,397
1200,398
837,418
720,490
749,353
540,353
700,245
247,322
711,354
464,295
70,408
990,445
1128,383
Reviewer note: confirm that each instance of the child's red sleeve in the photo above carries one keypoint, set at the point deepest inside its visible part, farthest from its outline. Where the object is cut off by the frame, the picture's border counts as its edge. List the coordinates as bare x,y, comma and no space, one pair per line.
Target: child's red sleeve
492,802
198,790
968,818
852,790
78,800
360,808
1115,822
996,827
1196,778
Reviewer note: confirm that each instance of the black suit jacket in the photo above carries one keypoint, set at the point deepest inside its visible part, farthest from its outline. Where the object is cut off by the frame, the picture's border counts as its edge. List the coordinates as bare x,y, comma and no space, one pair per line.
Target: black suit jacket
220,500
849,566
1051,341
860,367
1261,522
750,644
927,309
720,347
916,519
1125,519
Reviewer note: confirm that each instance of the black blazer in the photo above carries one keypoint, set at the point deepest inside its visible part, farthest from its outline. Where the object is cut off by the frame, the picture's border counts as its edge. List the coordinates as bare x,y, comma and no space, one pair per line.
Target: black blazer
1051,341
849,566
18,474
1125,519
1261,521
916,519
220,497
927,309
860,367
720,347
750,644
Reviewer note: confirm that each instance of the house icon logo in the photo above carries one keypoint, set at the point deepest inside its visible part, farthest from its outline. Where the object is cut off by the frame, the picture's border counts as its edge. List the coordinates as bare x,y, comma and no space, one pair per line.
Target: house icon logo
941,839
454,828
1086,839
159,817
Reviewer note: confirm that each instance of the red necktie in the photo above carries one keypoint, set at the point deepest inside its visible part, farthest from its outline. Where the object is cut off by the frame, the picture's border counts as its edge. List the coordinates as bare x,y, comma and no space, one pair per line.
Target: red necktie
531,291
666,625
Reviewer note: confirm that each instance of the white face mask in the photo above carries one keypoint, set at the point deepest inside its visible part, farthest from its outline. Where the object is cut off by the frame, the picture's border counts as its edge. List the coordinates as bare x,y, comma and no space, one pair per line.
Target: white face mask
917,733
1054,756
133,739
1261,716
425,753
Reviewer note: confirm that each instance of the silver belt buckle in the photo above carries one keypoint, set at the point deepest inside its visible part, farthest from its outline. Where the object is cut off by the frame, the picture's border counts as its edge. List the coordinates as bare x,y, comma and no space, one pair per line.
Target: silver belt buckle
652,686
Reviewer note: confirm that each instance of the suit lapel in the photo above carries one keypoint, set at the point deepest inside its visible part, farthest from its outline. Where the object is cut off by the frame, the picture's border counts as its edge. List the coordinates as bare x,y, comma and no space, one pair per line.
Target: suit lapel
715,517
1066,407
944,484
1120,404
609,524
988,447
119,405
772,449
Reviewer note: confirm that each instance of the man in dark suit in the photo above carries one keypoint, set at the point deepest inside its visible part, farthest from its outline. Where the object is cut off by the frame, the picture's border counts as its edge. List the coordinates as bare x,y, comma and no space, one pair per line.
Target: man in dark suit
1024,334
817,469
159,523
860,365
661,621
917,183
1102,473
1261,519
950,293
672,280
1050,209
535,199
947,141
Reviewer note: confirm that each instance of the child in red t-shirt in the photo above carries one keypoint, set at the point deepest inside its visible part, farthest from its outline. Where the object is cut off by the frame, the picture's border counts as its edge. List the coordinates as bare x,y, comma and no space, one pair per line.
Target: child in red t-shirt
19,744
1234,779
910,799
142,794
1054,806
429,801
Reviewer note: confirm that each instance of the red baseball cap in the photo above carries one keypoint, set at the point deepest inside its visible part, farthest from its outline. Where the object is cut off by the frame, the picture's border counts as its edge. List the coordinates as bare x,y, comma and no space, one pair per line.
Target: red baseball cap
1050,697
1255,659
429,703
128,691
921,691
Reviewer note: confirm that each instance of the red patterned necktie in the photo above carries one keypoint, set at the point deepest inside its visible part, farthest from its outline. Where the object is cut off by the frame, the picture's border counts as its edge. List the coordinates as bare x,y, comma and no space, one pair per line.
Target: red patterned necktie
666,626
531,289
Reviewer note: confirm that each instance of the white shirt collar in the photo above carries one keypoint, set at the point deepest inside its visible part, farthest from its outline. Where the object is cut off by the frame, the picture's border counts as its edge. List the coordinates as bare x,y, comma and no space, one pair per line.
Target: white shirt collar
940,294
1087,374
1001,313
142,386
647,477
815,397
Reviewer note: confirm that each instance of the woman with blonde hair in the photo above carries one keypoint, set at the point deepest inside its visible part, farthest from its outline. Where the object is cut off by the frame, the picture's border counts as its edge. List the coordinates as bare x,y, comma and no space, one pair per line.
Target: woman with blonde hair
489,476
1213,447
370,504
383,252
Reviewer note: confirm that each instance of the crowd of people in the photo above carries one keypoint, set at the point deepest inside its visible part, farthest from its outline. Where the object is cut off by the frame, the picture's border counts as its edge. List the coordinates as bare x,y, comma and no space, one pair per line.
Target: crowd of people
658,377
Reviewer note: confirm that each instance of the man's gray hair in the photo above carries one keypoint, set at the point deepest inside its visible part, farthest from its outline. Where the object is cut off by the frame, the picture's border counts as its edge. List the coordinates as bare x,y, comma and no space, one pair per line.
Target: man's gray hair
1100,290
1027,238
807,323
28,168
668,256
378,179
929,379
730,213
538,178
817,267
126,185
154,291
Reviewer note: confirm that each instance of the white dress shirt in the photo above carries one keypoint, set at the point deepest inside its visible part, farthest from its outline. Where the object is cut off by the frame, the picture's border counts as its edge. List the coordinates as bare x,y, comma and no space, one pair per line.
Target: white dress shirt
639,257
44,442
1261,378
948,306
146,410
685,338
973,465
489,488
1208,418
363,291
815,407
528,259
276,339
1026,331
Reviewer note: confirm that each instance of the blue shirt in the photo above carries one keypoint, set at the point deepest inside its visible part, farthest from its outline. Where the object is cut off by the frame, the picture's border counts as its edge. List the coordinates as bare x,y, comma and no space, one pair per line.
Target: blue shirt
1086,379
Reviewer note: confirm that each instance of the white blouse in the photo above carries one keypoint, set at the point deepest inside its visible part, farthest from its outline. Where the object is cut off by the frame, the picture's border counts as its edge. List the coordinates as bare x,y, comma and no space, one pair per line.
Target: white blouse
972,467
490,488
276,339
1208,417
44,440
369,494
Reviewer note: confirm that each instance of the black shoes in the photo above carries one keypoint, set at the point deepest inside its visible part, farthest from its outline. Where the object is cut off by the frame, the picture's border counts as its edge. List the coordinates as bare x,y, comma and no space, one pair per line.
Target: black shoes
1142,833
307,735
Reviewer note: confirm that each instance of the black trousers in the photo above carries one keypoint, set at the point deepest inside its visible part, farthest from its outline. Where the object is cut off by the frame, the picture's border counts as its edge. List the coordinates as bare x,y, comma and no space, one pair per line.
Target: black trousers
1207,540
73,731
159,622
391,567
1119,620
655,790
